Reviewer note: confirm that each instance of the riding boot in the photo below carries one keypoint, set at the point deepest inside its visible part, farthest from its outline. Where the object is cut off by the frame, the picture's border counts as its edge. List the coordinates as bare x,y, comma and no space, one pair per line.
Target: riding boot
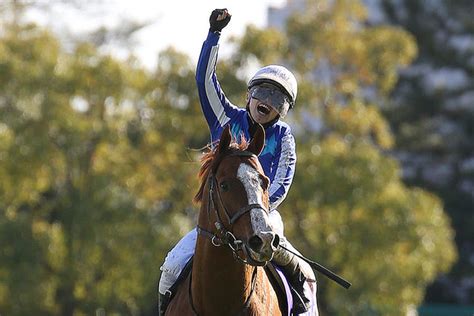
297,279
163,301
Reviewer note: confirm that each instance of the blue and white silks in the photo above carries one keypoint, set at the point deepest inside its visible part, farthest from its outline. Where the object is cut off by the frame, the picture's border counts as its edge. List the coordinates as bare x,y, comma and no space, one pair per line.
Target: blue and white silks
278,158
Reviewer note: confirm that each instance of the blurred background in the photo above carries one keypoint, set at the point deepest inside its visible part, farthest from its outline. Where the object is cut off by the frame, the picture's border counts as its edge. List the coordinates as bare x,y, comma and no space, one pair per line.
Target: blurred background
100,130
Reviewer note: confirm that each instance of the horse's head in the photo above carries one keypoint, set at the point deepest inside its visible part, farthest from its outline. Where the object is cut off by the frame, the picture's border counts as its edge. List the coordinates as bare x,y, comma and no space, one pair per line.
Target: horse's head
234,196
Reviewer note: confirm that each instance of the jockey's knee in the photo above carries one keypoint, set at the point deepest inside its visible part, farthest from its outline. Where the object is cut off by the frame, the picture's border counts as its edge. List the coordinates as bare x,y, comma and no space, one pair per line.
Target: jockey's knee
307,270
169,272
176,260
166,282
276,222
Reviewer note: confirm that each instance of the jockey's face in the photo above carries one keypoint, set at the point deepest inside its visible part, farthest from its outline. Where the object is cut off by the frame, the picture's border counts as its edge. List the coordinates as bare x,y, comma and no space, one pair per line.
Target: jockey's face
261,112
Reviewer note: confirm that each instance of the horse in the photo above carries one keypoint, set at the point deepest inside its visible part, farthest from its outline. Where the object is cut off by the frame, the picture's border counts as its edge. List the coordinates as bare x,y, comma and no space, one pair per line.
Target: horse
235,239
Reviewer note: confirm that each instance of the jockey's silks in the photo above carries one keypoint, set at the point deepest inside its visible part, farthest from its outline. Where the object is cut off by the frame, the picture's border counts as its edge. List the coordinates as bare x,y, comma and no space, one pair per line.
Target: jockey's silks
278,157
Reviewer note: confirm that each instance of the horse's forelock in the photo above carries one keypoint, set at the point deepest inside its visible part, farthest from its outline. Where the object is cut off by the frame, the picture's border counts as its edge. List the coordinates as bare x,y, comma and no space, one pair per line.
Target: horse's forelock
210,159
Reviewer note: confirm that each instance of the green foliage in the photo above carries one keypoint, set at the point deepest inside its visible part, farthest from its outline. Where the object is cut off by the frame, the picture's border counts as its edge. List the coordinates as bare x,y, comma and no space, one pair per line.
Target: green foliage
359,57
348,207
89,153
432,117
97,170
355,215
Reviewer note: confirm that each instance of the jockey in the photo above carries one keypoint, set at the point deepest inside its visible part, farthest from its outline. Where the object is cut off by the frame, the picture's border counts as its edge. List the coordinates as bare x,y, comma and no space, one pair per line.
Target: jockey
271,93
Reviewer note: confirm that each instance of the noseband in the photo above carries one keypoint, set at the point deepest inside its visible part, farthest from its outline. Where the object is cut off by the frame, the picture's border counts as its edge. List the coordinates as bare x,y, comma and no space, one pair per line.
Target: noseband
223,235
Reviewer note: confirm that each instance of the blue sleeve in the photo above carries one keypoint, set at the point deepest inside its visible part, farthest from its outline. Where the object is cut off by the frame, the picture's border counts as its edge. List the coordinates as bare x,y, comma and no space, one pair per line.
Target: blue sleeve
215,106
283,170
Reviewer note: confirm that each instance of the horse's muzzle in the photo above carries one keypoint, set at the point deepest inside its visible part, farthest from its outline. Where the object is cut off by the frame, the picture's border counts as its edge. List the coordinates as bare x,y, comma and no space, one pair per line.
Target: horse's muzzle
263,245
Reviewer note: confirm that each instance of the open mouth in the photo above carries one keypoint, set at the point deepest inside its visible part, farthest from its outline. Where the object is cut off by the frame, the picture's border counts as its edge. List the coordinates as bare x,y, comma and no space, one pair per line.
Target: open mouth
263,109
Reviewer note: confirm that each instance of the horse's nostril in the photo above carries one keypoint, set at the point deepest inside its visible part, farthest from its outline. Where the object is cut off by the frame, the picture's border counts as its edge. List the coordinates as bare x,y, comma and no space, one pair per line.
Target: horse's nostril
276,241
256,243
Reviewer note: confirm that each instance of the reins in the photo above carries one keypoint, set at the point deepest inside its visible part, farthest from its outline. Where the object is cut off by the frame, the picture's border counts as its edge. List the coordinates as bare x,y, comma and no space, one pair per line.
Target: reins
224,236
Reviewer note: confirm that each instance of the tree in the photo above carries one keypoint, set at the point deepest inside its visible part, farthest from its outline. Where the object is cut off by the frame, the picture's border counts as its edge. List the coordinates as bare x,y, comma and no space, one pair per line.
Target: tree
432,118
348,206
90,198
97,176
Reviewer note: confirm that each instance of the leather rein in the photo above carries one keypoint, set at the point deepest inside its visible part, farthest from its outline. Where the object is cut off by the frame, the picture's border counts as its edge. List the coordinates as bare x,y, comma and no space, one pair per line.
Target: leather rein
224,236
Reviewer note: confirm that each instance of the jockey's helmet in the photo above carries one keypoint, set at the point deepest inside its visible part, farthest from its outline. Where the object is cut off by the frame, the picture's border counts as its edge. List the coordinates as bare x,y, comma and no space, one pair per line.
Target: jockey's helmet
280,77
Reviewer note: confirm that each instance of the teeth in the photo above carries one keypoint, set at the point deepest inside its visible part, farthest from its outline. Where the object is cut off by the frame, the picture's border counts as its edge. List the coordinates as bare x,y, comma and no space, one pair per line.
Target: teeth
263,109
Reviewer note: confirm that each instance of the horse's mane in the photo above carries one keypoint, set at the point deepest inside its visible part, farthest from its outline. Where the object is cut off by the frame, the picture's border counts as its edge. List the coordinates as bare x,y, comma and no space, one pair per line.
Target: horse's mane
210,158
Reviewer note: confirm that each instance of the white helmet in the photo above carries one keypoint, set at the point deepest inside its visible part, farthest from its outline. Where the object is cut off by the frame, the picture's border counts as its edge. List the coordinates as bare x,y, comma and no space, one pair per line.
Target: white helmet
279,76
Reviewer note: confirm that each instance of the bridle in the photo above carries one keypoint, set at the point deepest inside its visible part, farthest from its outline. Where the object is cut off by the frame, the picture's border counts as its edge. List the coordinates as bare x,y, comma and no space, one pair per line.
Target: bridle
224,236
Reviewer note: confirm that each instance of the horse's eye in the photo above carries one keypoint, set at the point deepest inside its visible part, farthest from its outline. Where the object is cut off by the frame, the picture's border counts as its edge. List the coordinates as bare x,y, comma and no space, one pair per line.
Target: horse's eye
224,186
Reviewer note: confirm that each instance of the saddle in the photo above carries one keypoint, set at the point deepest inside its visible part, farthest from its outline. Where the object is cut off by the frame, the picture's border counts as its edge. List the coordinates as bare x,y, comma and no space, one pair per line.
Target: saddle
275,275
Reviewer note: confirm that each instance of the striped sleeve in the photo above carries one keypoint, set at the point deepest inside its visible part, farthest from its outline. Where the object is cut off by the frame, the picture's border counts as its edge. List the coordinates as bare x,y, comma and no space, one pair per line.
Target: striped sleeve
285,164
216,108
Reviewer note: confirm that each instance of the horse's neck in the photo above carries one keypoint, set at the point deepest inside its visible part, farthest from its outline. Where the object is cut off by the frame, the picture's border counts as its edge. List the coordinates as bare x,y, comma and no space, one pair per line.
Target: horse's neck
219,282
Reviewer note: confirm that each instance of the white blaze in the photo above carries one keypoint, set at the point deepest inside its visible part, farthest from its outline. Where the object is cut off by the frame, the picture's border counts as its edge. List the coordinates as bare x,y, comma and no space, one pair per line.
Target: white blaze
251,182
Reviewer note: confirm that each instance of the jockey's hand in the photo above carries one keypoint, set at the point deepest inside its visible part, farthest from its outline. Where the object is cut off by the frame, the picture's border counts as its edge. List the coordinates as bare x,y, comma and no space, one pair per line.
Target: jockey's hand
219,19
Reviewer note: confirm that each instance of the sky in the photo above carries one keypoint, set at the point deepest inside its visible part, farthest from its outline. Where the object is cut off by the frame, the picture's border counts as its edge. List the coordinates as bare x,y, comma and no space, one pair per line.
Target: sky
182,24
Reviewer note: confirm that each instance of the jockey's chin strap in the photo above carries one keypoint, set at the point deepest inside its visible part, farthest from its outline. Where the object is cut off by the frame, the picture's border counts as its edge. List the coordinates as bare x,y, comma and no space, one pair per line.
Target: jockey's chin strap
224,236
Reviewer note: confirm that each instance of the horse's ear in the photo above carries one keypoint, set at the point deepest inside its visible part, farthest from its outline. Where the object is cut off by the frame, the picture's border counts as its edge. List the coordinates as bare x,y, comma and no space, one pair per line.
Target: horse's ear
258,141
226,137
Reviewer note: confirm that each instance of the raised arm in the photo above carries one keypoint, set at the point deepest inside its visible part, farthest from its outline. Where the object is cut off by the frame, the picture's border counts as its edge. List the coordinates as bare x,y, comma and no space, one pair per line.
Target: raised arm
216,107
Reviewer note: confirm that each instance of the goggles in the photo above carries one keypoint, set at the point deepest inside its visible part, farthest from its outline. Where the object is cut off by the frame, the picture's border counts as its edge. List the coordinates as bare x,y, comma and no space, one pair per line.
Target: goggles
271,96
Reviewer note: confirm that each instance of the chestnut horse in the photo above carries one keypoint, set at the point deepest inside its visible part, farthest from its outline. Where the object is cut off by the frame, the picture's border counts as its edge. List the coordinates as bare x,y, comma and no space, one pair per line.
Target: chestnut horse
234,236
